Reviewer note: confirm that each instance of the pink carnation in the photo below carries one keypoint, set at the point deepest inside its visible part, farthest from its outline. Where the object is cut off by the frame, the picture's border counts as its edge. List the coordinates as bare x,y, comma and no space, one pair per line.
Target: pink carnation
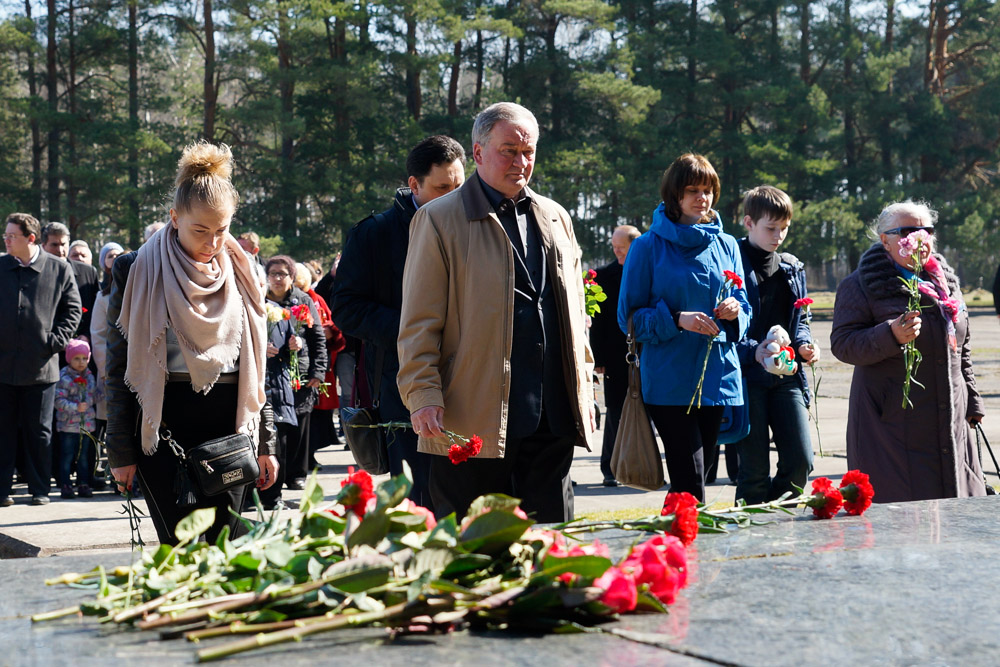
409,506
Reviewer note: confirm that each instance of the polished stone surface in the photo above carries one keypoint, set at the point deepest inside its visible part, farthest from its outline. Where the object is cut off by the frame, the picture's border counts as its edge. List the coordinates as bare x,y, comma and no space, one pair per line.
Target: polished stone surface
907,584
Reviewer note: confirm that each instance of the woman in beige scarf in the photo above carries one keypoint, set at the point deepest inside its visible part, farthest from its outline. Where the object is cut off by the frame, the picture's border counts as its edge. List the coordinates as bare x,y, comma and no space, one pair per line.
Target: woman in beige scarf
187,343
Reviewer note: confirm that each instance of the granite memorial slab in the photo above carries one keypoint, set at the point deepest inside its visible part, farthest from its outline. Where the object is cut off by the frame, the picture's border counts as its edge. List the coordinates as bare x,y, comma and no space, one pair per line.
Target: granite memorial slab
907,584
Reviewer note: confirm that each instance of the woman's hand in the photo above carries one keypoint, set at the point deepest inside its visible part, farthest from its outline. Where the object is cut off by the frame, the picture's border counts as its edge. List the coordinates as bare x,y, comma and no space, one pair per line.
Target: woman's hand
124,476
906,327
272,350
698,323
809,352
268,465
294,343
729,309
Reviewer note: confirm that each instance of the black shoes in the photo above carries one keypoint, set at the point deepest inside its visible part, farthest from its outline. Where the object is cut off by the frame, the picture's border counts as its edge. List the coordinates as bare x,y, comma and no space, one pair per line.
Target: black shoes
39,500
611,482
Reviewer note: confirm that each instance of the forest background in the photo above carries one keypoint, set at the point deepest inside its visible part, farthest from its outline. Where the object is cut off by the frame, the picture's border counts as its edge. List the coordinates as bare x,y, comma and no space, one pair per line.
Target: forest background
847,105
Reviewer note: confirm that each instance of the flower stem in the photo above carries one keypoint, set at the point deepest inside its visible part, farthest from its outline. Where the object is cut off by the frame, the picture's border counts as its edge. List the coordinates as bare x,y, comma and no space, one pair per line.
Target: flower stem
701,380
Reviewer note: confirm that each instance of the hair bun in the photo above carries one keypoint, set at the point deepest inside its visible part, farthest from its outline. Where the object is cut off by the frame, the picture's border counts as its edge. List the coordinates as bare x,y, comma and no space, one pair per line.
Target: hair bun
202,159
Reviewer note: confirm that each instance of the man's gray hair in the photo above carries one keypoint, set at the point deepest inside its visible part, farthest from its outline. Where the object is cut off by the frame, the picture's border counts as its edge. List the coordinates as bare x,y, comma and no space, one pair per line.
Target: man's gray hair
79,242
54,229
502,111
630,231
889,216
151,229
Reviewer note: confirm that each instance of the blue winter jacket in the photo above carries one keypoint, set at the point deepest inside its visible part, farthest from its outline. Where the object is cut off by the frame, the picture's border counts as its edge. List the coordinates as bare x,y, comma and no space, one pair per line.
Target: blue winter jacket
674,268
279,379
794,323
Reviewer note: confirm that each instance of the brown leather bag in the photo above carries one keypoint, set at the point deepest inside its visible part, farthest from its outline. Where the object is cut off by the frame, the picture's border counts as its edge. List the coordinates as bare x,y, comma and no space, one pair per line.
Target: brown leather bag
636,460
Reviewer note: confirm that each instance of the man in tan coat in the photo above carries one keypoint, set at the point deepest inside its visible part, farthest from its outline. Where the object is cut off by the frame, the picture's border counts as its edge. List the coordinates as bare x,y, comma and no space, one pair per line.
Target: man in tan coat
492,340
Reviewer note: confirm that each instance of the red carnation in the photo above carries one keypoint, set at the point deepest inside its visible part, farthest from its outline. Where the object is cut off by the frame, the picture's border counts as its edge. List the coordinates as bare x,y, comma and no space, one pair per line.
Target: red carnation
804,301
302,315
661,565
826,501
459,453
857,492
356,491
684,507
620,594
80,380
733,278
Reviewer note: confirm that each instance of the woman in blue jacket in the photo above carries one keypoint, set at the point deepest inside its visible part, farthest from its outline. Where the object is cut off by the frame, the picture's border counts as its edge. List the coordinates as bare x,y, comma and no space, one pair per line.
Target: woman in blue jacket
672,281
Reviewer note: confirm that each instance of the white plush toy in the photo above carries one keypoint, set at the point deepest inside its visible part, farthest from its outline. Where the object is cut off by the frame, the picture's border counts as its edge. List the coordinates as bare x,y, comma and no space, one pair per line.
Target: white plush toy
781,357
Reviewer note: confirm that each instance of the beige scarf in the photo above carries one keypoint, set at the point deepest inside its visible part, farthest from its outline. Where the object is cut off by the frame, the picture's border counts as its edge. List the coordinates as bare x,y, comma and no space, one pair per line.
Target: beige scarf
217,312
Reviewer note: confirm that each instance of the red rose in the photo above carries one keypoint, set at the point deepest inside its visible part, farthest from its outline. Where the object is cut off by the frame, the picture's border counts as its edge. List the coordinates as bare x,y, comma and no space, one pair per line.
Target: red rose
684,507
826,501
734,278
461,452
661,565
857,492
620,593
356,491
804,301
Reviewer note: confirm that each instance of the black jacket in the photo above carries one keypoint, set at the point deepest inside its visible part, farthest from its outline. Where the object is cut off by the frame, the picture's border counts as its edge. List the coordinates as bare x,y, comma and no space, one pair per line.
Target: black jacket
123,437
313,358
39,313
368,292
606,337
88,283
279,390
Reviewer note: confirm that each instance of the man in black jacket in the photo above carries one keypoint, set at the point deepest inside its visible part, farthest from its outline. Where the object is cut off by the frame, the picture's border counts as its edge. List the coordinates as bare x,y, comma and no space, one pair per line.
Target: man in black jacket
55,241
608,343
368,288
39,312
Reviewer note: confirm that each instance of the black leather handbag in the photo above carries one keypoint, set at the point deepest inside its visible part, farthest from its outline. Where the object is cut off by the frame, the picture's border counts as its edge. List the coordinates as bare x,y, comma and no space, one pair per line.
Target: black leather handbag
216,466
368,443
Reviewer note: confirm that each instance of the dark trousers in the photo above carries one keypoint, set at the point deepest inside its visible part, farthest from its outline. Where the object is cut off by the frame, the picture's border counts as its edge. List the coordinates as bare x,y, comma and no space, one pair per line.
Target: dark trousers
297,460
534,469
75,452
403,447
614,399
26,410
688,441
778,407
192,418
286,434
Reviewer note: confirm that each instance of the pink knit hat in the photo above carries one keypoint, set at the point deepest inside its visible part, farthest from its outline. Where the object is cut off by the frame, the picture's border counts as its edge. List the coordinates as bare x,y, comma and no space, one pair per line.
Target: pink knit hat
77,346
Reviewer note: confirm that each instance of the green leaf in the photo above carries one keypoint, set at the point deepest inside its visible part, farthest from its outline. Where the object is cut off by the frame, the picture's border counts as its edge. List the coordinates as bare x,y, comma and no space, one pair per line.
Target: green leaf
194,524
494,531
444,534
279,553
247,561
372,529
466,563
493,501
648,602
432,561
312,495
590,567
359,574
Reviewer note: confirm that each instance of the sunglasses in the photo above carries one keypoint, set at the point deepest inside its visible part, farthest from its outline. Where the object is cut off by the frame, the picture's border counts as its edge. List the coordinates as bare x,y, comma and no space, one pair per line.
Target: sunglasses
906,231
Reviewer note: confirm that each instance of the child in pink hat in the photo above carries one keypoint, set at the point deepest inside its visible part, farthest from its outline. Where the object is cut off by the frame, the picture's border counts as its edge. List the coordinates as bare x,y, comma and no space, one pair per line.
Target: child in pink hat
76,418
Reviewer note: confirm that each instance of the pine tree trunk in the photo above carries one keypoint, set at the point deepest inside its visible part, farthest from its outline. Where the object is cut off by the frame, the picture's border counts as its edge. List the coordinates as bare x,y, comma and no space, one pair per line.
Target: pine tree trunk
211,92
35,205
456,69
133,122
413,96
52,80
73,217
286,90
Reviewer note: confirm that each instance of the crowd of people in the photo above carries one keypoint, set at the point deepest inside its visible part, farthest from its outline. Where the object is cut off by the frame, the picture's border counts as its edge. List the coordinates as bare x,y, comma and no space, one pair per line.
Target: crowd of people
461,309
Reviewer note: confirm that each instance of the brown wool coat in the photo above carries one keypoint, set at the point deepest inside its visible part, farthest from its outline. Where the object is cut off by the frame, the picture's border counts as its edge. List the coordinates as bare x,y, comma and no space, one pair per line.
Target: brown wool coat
455,328
929,450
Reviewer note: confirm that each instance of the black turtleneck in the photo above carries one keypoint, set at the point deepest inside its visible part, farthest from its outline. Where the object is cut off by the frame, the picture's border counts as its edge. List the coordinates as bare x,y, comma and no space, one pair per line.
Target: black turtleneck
775,294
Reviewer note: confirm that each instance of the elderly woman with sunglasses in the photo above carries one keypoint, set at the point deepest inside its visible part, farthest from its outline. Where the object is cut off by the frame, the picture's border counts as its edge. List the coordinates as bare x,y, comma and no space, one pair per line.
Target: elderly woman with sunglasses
926,450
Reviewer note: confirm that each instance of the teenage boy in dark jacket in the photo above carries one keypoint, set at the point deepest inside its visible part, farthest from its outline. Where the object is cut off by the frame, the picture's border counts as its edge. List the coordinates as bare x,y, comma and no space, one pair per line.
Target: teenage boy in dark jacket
779,403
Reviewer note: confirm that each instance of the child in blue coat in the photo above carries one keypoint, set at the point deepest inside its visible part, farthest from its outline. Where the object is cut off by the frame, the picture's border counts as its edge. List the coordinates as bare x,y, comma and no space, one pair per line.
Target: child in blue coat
672,282
76,418
778,403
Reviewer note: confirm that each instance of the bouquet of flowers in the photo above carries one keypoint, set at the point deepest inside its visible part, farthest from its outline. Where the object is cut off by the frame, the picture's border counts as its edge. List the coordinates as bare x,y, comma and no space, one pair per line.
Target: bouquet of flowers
593,292
301,320
274,315
912,245
731,281
805,304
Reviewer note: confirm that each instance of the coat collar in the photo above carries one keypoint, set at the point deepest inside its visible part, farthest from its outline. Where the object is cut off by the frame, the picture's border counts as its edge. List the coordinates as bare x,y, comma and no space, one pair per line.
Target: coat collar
880,279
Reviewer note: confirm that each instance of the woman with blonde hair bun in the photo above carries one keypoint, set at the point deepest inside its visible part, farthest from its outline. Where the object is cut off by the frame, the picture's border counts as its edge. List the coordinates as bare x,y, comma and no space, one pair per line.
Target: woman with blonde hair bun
186,346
